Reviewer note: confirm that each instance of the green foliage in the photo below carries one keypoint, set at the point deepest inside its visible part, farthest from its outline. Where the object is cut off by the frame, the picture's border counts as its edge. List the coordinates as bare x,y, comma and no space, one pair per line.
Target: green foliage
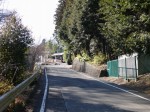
54,47
96,60
111,27
65,56
127,25
70,28
99,59
79,57
5,86
83,57
14,42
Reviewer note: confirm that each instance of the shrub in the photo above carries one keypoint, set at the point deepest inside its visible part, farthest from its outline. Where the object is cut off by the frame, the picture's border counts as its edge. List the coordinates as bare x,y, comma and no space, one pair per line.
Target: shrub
5,86
84,57
65,56
99,59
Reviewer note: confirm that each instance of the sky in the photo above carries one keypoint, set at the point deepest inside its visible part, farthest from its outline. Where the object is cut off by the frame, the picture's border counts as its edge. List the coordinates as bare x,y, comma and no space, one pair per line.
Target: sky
37,15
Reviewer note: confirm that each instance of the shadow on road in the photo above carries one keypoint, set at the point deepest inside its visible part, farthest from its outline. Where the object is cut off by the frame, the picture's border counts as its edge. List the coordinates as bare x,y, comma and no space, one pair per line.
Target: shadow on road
75,101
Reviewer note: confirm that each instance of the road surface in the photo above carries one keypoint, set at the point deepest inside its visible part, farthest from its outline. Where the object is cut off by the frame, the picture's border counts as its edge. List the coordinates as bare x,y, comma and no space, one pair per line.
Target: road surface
70,91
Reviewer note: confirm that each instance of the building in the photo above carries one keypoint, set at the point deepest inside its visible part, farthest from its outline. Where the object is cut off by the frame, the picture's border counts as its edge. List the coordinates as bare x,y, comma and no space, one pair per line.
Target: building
57,56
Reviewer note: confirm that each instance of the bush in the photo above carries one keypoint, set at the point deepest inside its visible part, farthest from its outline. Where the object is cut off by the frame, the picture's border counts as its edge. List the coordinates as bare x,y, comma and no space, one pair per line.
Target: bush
5,86
65,56
16,106
99,59
15,40
84,57
79,57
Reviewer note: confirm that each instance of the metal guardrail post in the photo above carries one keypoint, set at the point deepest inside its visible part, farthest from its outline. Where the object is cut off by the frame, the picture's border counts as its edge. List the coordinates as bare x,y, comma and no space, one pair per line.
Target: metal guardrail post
8,97
126,68
118,68
135,69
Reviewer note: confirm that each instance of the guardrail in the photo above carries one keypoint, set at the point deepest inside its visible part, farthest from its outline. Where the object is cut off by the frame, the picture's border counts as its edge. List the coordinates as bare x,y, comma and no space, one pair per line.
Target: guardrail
45,93
8,97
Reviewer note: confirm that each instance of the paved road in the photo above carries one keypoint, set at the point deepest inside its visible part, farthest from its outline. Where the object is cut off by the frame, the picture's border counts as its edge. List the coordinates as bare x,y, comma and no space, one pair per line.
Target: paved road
70,91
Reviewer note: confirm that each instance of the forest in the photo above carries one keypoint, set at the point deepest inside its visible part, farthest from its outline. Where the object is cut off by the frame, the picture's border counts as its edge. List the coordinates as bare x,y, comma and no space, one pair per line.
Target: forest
103,28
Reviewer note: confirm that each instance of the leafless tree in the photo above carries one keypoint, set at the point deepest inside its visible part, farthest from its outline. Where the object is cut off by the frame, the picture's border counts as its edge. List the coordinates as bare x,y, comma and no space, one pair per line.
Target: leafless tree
33,55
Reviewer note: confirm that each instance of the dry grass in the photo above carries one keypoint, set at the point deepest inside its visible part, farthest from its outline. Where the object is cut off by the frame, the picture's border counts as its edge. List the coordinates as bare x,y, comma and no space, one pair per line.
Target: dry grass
23,102
142,84
4,85
114,80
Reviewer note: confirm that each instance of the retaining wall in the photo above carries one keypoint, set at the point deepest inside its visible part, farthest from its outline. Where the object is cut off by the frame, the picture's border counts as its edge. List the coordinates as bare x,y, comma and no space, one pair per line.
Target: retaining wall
91,70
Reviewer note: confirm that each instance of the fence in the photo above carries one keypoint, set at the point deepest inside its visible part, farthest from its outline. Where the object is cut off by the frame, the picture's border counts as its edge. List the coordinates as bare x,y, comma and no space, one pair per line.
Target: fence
143,64
7,98
126,68
112,68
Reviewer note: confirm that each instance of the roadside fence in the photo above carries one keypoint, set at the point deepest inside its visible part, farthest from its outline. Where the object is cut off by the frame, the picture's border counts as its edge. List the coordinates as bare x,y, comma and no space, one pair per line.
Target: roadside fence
126,68
8,97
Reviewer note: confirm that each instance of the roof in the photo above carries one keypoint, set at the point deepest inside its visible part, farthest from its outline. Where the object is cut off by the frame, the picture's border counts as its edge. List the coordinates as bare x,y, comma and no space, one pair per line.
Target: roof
57,54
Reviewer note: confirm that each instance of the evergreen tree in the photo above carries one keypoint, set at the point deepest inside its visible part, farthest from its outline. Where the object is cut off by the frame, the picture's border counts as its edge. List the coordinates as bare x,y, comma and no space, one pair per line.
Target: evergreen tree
14,42
111,27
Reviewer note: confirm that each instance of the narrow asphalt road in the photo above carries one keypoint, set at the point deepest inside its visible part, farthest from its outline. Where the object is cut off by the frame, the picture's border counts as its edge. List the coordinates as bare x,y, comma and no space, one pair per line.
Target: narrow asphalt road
70,91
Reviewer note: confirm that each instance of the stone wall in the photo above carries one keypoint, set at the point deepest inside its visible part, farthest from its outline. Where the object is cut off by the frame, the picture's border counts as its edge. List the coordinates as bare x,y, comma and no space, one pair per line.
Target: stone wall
85,67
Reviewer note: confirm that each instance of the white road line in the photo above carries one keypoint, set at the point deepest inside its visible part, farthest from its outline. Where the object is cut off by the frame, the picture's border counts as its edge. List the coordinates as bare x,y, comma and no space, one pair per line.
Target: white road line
45,93
115,87
126,91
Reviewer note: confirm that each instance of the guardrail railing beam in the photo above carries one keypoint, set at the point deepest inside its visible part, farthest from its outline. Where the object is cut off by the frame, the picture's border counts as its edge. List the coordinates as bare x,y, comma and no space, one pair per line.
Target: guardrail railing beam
8,97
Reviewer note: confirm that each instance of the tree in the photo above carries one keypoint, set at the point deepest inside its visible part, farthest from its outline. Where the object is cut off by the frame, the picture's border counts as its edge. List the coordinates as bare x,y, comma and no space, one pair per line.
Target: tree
90,22
68,26
127,25
111,27
14,42
34,53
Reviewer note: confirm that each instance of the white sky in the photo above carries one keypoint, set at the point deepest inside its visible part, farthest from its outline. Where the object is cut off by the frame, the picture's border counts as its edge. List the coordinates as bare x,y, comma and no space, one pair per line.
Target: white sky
37,15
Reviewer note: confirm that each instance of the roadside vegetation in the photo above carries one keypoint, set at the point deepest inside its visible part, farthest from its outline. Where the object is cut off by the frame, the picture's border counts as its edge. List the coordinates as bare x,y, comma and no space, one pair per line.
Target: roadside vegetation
96,31
142,84
14,43
17,57
54,46
103,28
5,86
